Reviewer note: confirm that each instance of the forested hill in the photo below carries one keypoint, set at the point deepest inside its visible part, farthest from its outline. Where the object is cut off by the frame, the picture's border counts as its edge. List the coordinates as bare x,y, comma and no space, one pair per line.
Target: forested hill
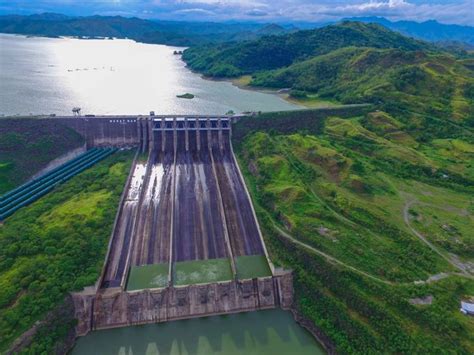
162,32
353,62
54,25
398,81
234,59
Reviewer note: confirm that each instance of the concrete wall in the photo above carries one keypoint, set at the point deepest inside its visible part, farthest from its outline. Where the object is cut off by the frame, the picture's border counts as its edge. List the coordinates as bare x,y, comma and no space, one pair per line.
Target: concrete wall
116,308
116,130
105,131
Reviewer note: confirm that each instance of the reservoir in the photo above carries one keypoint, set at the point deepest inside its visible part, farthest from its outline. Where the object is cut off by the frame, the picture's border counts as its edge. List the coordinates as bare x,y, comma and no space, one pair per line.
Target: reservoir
271,332
53,75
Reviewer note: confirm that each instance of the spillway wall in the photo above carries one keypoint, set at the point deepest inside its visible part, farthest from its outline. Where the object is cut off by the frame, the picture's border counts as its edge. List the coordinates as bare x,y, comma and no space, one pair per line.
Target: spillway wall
120,309
105,131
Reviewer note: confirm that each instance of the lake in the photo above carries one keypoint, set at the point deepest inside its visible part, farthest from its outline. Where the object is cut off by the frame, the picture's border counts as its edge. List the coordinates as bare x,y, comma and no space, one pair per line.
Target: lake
271,332
53,75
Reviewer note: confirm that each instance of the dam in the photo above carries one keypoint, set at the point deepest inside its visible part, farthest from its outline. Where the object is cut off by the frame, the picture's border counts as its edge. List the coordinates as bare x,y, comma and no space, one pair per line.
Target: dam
186,242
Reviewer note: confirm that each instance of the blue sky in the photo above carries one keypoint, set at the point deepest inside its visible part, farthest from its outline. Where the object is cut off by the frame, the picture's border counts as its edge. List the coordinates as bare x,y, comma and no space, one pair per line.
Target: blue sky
446,11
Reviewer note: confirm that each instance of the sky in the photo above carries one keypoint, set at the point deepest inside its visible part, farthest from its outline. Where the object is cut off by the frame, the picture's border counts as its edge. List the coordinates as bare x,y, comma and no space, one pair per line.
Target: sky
445,11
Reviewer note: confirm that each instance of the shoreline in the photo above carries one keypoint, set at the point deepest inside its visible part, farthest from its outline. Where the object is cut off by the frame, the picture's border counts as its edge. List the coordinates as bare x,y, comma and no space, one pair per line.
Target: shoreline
235,82
239,82
323,340
240,85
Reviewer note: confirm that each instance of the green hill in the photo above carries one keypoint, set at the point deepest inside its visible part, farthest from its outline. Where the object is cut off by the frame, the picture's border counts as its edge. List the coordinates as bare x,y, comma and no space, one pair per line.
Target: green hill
353,62
372,212
177,33
54,246
273,52
376,226
433,84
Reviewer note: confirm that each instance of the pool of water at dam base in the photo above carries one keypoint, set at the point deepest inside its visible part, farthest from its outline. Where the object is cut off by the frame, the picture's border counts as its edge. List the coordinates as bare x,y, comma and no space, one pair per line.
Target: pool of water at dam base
53,75
271,332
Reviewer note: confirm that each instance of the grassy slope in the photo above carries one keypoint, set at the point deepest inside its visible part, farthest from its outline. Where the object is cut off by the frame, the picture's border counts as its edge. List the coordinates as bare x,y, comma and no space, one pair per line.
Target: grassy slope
343,192
28,145
57,245
397,80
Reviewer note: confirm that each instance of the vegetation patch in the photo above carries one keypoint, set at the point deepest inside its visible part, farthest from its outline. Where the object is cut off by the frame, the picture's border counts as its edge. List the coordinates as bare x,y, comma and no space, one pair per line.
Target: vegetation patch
185,96
309,121
148,276
362,315
311,101
57,245
202,271
331,207
28,145
447,226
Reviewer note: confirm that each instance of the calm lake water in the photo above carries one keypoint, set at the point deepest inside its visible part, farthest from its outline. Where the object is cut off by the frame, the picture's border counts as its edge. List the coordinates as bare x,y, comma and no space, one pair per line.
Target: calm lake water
45,75
272,332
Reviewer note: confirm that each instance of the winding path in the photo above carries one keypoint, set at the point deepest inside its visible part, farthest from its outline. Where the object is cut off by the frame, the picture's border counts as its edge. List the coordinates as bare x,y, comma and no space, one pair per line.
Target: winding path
328,257
406,218
432,278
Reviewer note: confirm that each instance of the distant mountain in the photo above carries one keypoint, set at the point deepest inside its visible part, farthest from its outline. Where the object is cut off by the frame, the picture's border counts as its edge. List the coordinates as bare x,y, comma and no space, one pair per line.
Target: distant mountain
429,30
197,33
49,16
60,25
267,53
272,29
459,49
160,32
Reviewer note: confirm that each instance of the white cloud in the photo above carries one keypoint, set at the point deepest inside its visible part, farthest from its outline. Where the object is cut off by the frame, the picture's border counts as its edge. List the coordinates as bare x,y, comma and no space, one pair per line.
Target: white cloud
461,11
256,13
447,11
391,4
223,3
196,11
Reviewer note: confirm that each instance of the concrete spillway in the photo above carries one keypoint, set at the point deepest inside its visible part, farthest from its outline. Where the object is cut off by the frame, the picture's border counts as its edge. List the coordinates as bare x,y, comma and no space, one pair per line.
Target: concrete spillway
121,239
188,203
241,223
184,236
151,240
199,231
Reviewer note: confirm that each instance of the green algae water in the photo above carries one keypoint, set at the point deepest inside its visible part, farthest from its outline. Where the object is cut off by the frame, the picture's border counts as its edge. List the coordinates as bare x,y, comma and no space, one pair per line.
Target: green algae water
148,276
271,332
252,266
202,271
